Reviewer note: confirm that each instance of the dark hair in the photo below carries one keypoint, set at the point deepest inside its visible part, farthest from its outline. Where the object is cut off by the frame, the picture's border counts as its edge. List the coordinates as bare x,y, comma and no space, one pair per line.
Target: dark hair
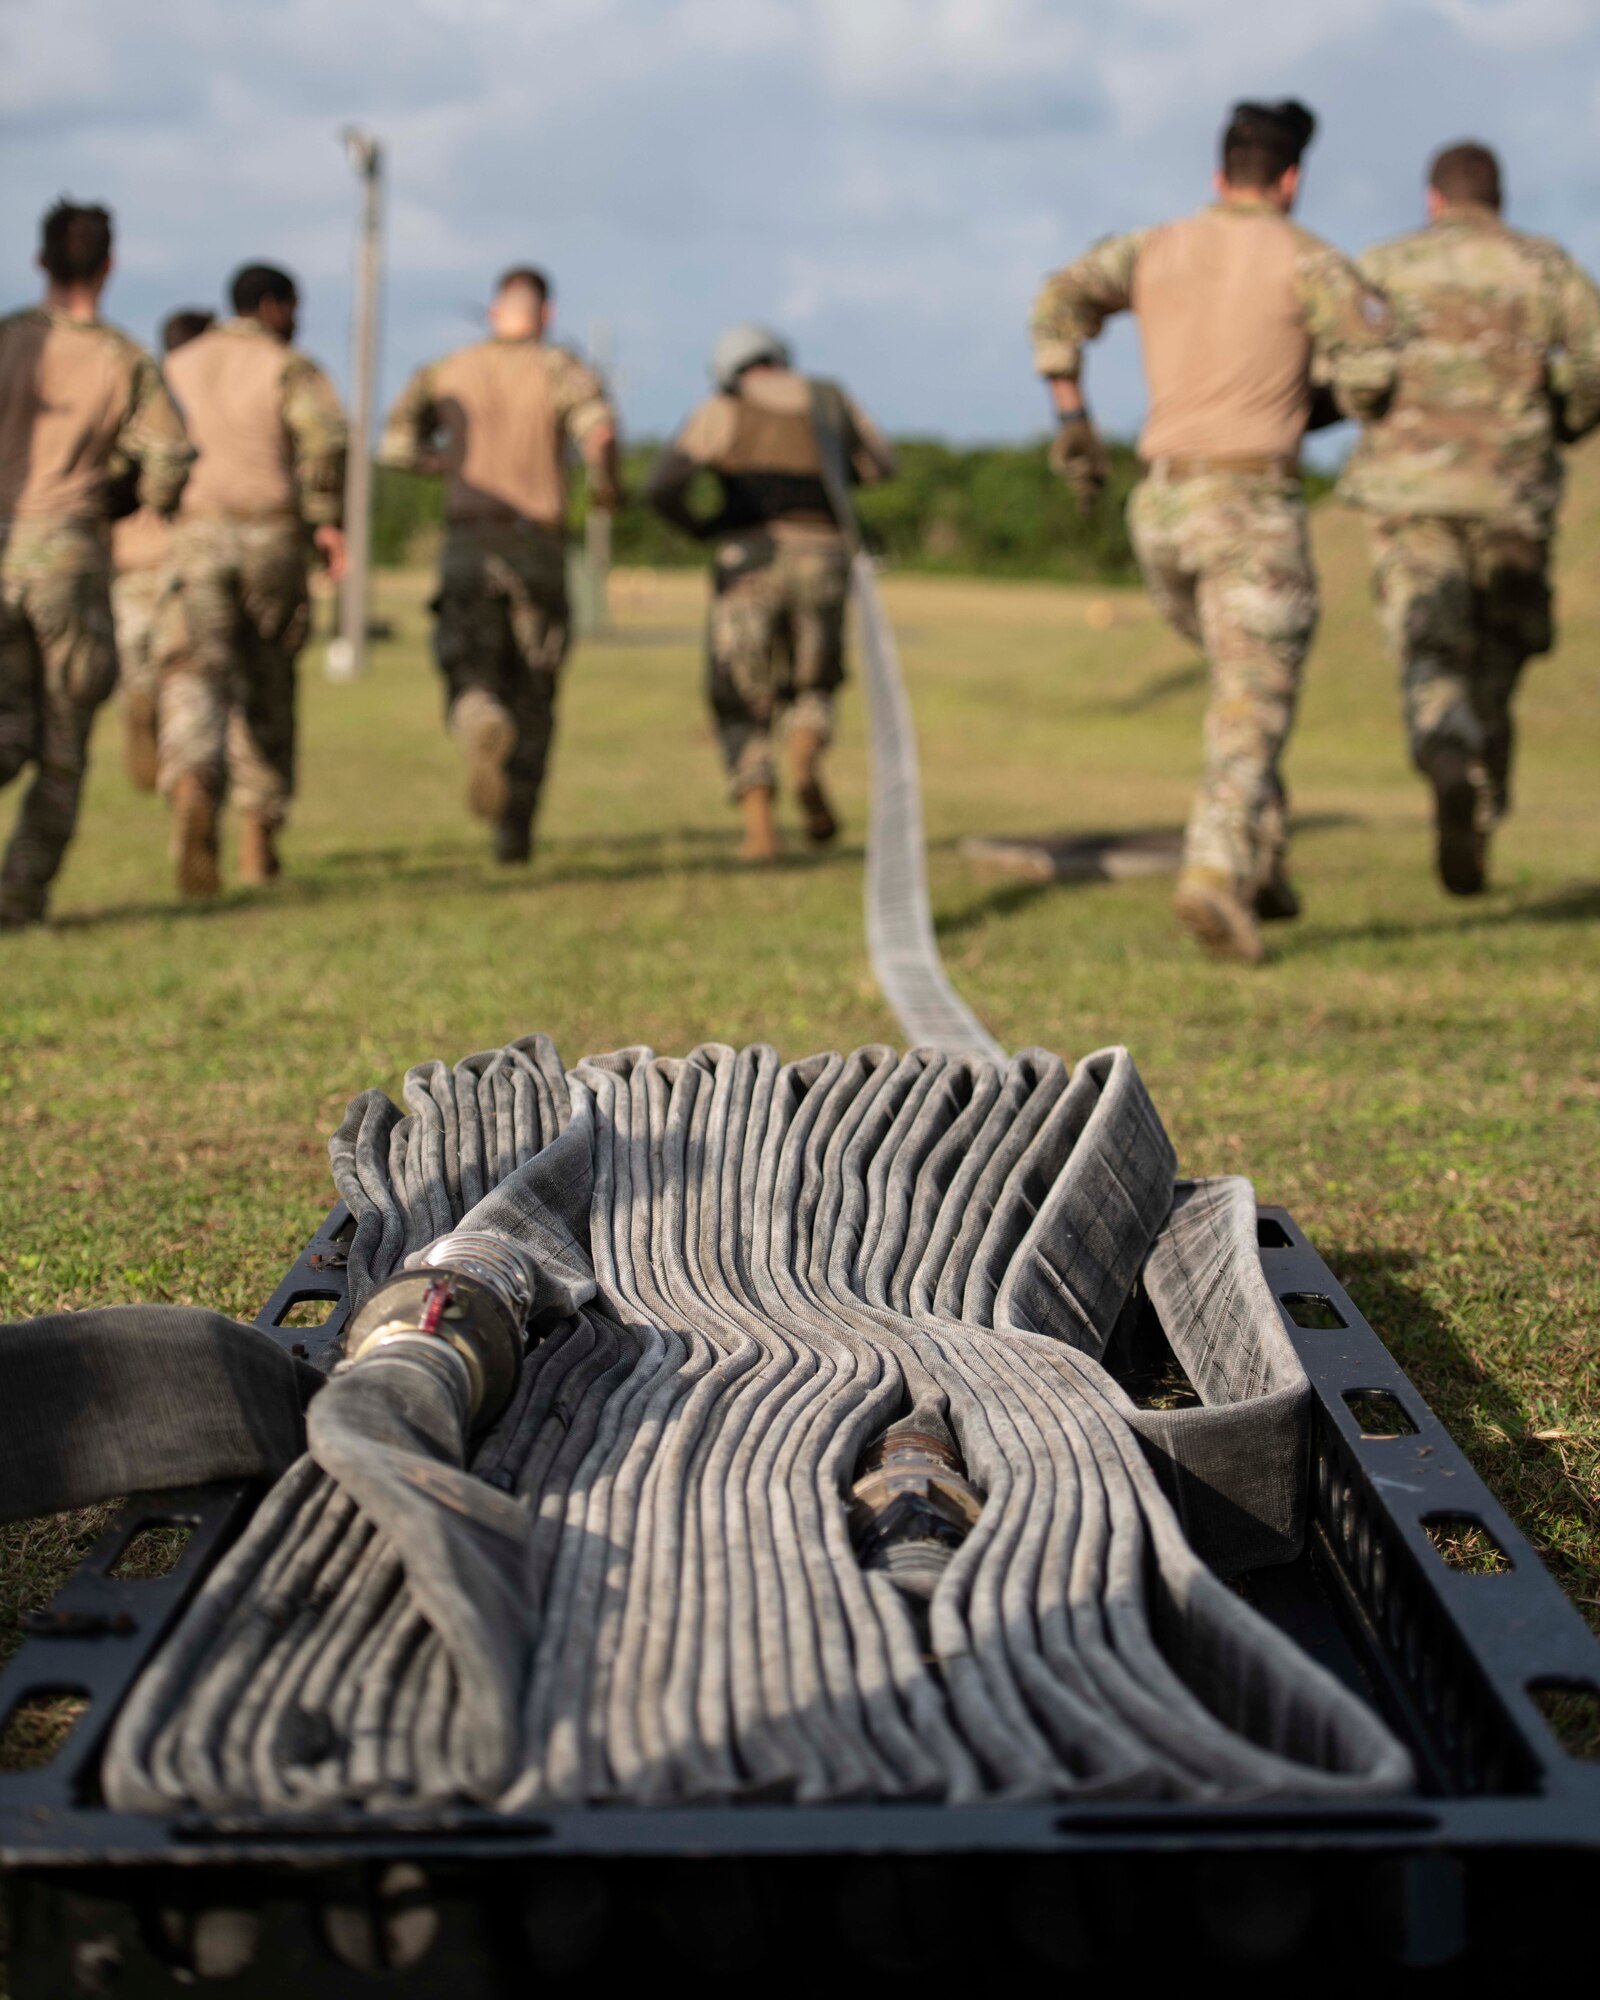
186,324
524,274
75,242
256,282
1466,172
1263,141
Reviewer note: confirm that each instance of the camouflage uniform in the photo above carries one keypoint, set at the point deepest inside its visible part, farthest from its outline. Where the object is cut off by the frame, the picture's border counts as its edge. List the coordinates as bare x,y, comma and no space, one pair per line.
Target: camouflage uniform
141,557
272,441
1462,475
1219,523
496,420
781,570
80,405
775,647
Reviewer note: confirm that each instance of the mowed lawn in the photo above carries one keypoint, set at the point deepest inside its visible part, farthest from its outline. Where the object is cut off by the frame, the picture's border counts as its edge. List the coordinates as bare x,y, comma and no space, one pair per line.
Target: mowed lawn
1418,1079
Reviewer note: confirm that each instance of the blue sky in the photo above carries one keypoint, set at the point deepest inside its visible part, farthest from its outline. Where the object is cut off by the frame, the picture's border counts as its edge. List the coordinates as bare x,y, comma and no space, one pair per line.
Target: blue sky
887,180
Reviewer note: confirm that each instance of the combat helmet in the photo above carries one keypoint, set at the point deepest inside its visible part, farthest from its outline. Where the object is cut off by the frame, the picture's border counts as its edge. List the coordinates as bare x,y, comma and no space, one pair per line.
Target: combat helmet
744,346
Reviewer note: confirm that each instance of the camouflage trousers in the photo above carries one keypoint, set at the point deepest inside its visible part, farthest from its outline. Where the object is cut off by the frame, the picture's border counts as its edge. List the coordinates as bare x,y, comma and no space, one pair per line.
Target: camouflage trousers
1227,561
501,632
137,597
1464,606
58,662
775,647
229,635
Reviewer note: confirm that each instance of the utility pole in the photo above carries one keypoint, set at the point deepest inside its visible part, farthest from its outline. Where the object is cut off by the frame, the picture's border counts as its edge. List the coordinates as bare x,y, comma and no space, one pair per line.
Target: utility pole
347,655
597,525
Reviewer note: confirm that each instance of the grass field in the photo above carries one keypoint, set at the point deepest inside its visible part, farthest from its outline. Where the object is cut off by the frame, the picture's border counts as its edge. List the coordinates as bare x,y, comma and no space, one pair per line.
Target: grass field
1418,1079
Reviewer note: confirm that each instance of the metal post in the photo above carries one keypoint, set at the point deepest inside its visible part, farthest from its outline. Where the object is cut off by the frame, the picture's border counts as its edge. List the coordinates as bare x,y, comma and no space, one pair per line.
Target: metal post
597,525
347,655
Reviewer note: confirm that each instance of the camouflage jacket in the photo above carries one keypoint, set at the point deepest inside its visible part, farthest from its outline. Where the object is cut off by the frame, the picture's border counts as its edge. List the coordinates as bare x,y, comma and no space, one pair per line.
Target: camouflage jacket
1242,314
83,408
1496,327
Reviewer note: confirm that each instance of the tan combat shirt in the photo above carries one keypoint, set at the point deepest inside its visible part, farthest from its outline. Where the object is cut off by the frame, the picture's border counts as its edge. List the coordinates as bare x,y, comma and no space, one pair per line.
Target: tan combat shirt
267,425
1240,312
762,430
81,403
1492,323
496,419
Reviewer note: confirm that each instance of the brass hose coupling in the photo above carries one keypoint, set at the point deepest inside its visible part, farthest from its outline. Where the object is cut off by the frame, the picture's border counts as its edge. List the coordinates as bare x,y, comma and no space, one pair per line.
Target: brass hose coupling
911,1508
469,1297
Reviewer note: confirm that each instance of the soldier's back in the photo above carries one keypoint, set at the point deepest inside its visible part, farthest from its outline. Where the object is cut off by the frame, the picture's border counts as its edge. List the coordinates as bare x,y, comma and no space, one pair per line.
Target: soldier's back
229,382
501,407
1469,431
64,392
1224,337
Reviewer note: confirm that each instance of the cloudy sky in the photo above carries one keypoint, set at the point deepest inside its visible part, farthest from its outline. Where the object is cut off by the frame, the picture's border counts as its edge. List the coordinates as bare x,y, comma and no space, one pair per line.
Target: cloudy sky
886,179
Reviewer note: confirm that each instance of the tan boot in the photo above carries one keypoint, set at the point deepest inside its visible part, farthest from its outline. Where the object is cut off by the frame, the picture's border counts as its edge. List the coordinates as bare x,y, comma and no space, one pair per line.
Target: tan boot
194,830
487,736
760,829
1210,907
139,755
821,824
258,851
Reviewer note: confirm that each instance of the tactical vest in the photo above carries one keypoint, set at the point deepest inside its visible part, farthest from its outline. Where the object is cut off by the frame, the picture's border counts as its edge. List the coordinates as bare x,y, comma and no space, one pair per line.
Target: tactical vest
771,470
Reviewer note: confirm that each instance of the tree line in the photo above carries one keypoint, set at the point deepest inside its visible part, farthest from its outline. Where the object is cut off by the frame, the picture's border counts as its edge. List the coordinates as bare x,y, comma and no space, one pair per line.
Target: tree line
988,510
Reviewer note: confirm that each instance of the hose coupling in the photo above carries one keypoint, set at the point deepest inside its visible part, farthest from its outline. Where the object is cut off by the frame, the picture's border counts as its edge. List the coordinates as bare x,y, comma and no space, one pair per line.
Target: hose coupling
911,1508
473,1293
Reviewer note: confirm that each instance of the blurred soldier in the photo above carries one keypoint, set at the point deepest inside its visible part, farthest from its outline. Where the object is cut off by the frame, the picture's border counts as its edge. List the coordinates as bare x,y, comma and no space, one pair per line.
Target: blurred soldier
1241,314
495,419
780,569
141,556
1500,363
83,411
271,439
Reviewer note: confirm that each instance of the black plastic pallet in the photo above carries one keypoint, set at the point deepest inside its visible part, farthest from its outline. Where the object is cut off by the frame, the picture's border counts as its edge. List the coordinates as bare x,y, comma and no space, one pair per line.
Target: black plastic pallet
1500,1837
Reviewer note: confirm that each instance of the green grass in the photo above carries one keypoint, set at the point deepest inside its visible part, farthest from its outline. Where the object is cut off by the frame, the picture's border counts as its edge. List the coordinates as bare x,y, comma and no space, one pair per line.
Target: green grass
1419,1080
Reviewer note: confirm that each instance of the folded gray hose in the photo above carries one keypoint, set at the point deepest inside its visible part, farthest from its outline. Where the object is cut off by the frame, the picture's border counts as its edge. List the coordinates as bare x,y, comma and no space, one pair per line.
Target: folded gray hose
787,1259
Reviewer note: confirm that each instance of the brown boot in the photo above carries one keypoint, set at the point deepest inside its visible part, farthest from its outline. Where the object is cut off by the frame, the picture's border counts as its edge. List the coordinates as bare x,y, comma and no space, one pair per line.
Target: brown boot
1210,907
139,755
760,829
258,851
805,748
194,832
513,838
1276,899
1463,811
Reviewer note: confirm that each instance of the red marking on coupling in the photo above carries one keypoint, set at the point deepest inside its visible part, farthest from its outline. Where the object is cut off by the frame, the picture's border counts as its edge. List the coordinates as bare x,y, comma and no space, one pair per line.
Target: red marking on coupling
440,1293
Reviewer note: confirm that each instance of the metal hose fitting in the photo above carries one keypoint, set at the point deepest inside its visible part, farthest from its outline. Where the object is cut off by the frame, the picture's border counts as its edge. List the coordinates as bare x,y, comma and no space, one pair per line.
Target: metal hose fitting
472,1293
911,1508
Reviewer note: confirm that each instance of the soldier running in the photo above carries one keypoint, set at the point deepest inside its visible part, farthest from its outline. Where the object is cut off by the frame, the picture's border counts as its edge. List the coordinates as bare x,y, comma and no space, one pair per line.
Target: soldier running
141,557
495,419
780,570
271,438
83,411
1462,476
1241,313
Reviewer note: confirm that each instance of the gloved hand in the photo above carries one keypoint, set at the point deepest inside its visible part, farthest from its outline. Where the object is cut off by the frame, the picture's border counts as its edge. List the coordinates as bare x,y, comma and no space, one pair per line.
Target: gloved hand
1078,455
